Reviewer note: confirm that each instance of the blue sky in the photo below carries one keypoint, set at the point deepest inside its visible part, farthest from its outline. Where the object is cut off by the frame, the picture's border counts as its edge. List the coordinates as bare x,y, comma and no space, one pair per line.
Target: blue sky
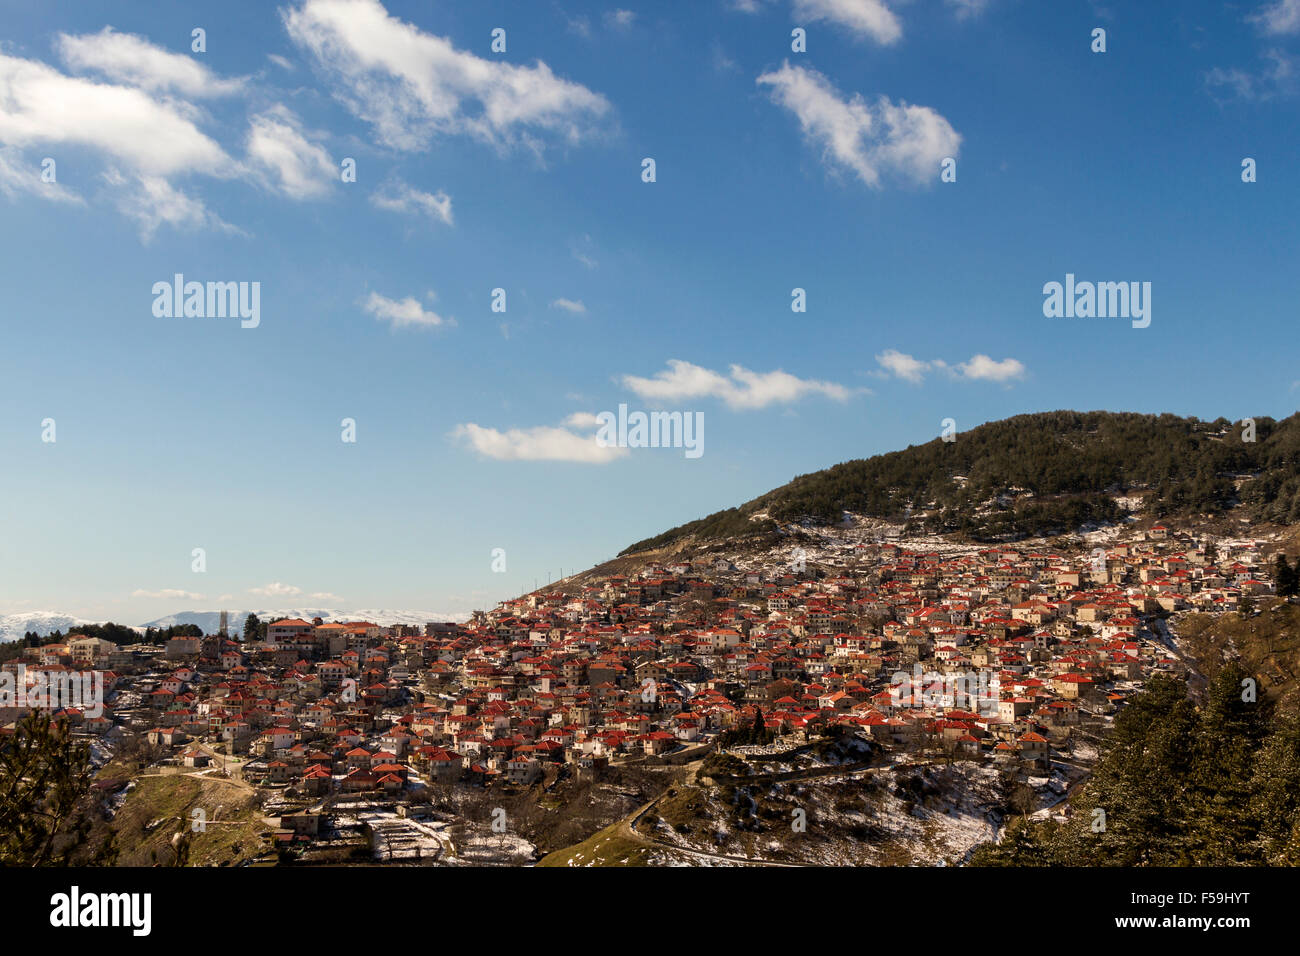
522,170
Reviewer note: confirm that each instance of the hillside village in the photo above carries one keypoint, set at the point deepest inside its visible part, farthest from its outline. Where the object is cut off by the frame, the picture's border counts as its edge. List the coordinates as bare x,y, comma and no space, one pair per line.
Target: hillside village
356,722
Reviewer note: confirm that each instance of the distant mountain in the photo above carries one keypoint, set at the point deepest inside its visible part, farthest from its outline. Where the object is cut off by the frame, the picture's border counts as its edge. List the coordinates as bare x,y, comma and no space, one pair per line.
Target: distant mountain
1040,474
14,626
211,620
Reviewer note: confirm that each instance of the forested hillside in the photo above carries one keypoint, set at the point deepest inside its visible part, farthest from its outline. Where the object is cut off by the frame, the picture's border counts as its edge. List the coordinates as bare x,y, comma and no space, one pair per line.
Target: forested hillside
1179,785
1040,474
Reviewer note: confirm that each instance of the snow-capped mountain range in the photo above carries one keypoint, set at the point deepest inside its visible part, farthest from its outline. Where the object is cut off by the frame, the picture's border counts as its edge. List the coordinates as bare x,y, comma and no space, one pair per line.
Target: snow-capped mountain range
14,626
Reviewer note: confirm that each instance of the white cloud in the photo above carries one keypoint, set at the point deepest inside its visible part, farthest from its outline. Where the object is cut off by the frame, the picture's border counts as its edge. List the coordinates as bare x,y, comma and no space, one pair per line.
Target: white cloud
903,366
411,85
968,8
583,420
19,178
620,19
1276,74
40,105
152,201
404,312
543,443
1276,77
580,249
170,594
887,138
721,60
979,368
325,596
570,305
134,61
276,589
147,140
866,18
1236,81
1282,17
742,390
400,197
296,166
863,18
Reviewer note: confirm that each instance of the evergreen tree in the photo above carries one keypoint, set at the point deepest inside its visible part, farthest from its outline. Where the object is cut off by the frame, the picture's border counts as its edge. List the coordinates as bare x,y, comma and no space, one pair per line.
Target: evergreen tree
1275,797
1285,577
1234,723
1179,785
45,778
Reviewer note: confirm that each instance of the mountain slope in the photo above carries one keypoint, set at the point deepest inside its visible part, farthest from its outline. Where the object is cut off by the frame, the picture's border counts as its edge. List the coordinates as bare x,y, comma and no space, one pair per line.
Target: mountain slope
1038,474
14,626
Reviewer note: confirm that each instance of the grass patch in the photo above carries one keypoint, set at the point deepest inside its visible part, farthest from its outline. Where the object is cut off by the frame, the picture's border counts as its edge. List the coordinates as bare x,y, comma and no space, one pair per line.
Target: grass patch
159,807
609,847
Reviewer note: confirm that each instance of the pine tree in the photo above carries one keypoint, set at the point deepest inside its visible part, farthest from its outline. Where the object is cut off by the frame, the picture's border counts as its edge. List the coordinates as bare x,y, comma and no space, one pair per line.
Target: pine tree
1285,577
1233,727
1275,794
45,777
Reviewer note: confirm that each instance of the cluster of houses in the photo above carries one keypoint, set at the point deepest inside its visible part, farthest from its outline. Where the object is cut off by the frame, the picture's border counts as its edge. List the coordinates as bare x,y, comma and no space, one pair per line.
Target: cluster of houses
651,666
